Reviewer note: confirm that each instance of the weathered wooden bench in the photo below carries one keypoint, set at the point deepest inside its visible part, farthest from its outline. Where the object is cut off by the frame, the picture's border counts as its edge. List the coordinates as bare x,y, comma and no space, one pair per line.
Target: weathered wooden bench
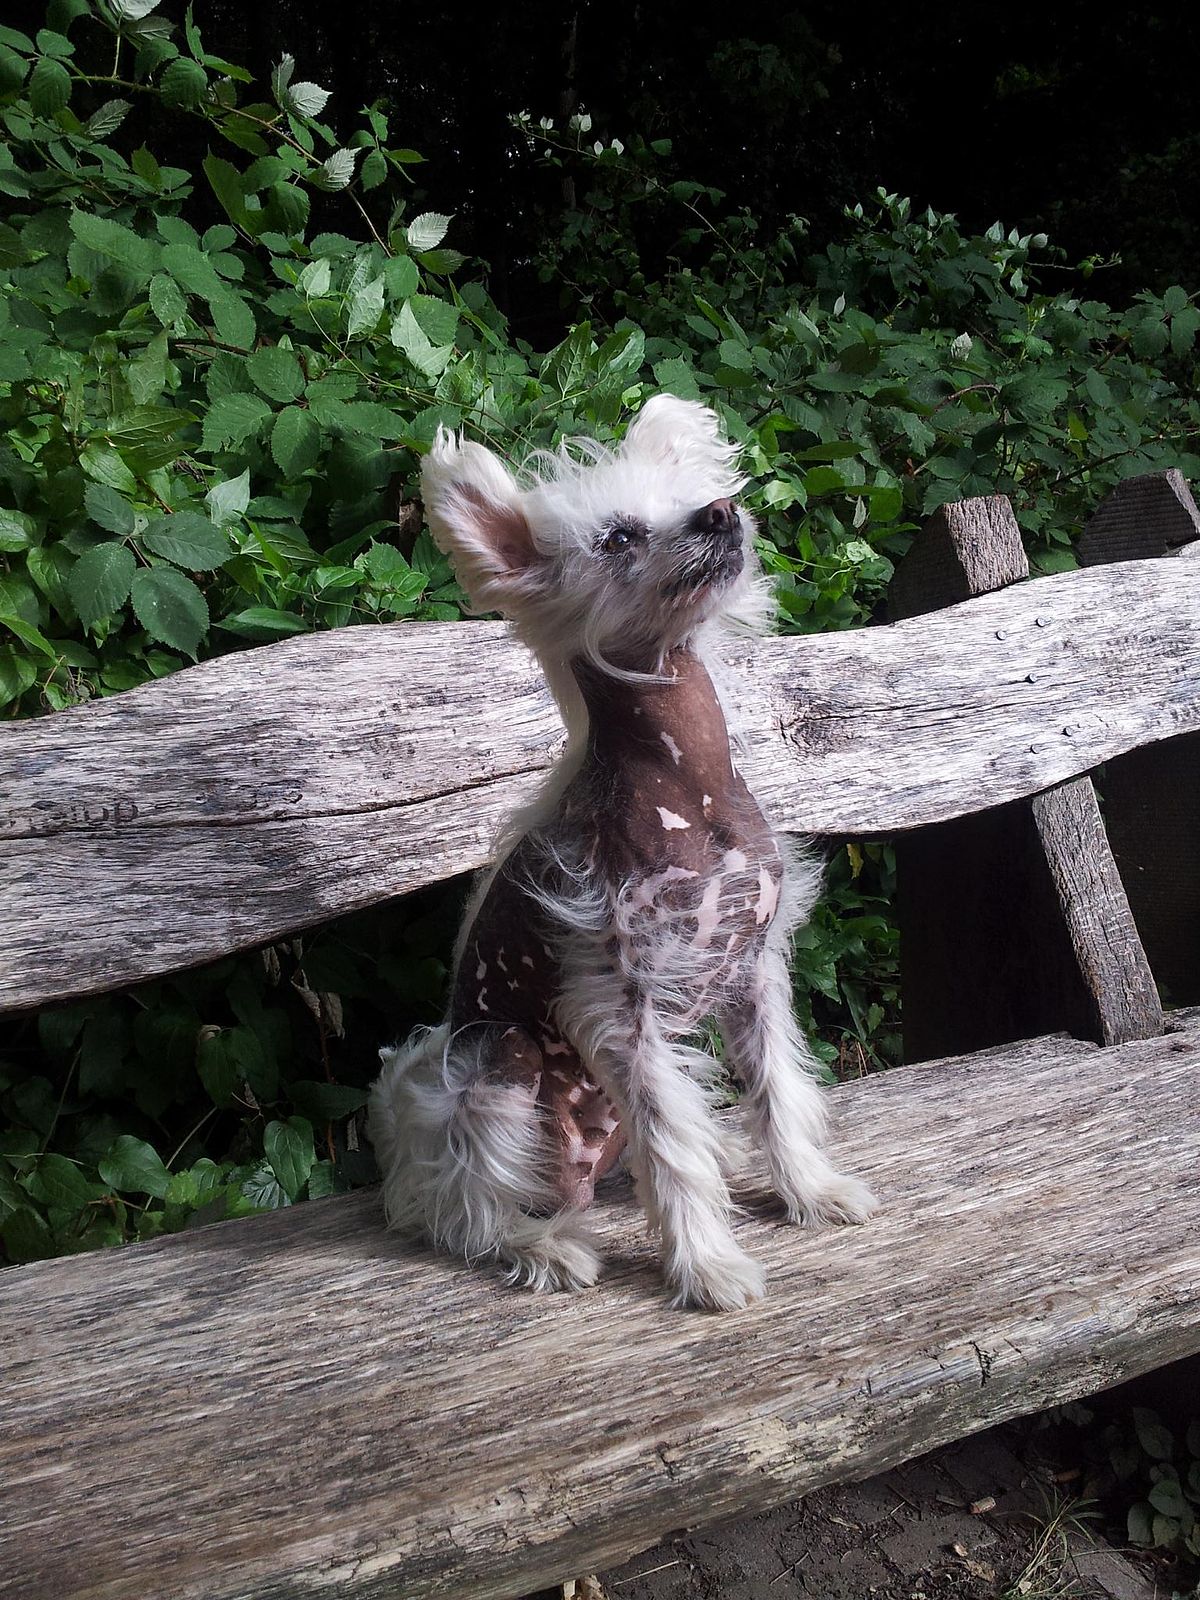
298,1404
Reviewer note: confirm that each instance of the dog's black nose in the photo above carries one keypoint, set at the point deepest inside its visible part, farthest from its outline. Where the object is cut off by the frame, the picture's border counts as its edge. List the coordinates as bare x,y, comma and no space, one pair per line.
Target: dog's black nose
719,517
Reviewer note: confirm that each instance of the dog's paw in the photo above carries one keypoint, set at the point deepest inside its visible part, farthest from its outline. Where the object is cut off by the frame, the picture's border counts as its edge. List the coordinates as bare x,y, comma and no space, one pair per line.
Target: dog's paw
558,1260
726,1280
830,1197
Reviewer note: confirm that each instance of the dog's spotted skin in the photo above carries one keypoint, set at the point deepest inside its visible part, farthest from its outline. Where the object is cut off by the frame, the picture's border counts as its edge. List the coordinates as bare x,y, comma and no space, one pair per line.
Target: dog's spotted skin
692,872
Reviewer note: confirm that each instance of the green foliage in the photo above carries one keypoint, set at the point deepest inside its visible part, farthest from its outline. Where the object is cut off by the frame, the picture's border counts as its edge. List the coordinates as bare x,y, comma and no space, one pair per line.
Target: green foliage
212,435
1161,1467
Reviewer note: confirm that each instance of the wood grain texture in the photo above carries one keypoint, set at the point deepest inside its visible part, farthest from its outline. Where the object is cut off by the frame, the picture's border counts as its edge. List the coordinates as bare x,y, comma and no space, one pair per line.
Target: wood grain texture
299,1405
1013,920
1152,796
267,790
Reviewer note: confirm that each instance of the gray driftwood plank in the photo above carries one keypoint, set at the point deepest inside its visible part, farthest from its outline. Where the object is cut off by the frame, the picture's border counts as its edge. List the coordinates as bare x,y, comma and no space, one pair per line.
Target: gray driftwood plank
299,1405
1013,920
263,771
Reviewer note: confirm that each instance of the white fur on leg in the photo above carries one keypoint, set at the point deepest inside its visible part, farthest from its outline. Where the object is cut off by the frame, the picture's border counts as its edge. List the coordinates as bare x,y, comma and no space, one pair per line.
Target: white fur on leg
462,1160
784,1104
676,1158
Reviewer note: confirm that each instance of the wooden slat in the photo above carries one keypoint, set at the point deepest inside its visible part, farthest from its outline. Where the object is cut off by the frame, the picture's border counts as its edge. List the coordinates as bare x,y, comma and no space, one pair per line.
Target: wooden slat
317,774
1013,920
299,1405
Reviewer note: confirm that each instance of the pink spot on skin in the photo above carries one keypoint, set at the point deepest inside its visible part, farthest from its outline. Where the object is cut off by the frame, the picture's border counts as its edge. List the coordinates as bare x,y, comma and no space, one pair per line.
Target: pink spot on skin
734,861
705,803
670,820
481,970
706,914
526,961
768,897
500,961
513,984
555,1048
676,752
481,1002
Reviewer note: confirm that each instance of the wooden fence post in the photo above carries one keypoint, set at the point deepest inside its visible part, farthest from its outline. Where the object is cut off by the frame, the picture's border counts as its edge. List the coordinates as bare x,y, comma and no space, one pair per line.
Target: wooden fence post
1013,921
1152,796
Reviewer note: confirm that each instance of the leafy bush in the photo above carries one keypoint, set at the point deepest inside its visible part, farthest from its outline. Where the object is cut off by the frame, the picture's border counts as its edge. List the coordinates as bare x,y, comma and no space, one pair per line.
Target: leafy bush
215,393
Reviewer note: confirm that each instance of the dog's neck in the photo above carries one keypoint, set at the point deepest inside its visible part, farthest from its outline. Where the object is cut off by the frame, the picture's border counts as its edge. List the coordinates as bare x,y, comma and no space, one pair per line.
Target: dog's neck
675,719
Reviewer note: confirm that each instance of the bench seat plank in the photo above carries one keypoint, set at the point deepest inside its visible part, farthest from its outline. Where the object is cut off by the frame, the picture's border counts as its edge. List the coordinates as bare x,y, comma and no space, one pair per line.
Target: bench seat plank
299,1405
263,768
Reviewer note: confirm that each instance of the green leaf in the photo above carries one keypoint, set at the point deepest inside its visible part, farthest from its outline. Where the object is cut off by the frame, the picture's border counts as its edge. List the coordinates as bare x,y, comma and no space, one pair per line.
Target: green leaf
1154,1438
232,419
295,441
184,83
141,255
1167,1497
226,184
166,302
104,465
100,581
170,607
228,500
108,509
427,231
49,87
366,308
261,622
17,673
30,635
232,318
134,1167
437,318
373,170
16,531
327,1102
408,335
26,1237
55,1181
189,540
277,373
107,118
335,172
289,1149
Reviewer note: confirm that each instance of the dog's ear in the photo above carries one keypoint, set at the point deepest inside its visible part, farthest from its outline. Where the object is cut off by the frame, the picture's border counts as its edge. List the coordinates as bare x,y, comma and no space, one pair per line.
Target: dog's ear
477,518
679,434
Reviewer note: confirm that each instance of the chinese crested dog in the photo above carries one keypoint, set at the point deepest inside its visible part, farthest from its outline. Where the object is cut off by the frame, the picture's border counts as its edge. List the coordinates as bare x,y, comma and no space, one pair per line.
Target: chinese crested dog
643,892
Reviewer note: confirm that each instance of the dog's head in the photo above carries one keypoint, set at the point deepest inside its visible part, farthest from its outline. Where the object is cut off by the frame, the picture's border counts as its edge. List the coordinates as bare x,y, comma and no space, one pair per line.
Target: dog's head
611,556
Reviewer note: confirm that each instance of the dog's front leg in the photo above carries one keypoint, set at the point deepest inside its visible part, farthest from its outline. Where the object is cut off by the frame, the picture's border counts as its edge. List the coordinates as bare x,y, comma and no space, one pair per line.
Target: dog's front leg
674,1152
783,1102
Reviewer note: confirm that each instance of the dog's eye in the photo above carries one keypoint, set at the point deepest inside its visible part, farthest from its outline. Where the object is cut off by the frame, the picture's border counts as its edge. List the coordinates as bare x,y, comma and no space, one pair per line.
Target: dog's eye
621,536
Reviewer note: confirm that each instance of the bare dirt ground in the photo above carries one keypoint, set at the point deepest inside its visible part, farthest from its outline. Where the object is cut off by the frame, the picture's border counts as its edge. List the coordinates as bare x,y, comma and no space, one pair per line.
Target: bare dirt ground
982,1520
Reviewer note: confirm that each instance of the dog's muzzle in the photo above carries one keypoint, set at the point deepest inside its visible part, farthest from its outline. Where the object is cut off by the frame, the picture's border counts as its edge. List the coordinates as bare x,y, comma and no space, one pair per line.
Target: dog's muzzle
720,526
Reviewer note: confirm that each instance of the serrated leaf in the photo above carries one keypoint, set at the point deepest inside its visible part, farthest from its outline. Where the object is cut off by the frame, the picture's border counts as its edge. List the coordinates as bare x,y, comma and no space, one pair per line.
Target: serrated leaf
289,1149
281,76
314,281
134,1167
16,531
366,308
277,373
226,184
189,540
305,99
374,170
327,1102
436,318
133,10
233,319
232,419
1155,1439
184,83
99,582
142,256
49,86
107,118
170,607
335,172
228,500
427,231
409,336
295,441
166,301
108,509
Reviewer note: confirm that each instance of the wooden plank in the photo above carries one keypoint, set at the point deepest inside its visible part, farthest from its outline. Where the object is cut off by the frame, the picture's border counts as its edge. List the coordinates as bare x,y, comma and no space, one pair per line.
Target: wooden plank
1013,920
392,729
299,1405
1151,807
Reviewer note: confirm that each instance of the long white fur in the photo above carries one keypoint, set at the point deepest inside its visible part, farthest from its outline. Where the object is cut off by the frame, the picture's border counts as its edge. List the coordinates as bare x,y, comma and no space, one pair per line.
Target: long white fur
462,1157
